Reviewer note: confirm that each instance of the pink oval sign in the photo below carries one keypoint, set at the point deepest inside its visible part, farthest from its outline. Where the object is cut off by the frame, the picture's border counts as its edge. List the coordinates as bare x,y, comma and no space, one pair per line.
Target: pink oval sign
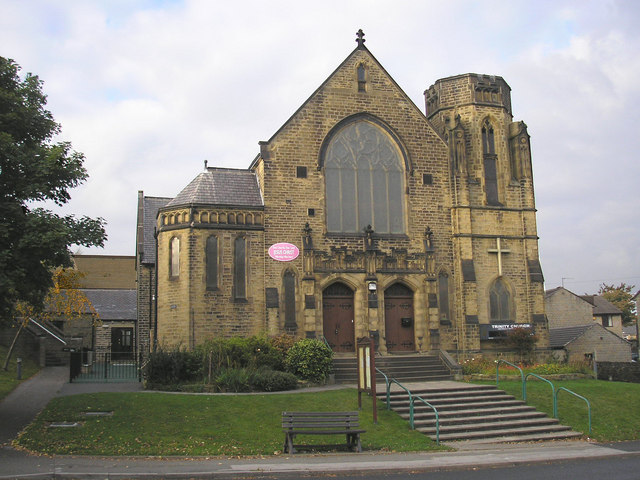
284,252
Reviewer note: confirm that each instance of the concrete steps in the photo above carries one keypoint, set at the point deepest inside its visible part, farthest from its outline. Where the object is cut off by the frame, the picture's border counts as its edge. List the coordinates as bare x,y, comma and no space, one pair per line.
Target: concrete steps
404,368
478,413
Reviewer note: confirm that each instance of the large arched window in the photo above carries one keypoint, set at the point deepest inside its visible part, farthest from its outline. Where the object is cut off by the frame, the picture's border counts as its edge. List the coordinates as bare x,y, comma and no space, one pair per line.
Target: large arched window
364,177
499,302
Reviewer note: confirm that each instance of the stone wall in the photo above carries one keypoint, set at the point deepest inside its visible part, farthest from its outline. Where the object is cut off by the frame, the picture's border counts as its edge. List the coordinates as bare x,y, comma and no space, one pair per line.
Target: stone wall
619,371
564,309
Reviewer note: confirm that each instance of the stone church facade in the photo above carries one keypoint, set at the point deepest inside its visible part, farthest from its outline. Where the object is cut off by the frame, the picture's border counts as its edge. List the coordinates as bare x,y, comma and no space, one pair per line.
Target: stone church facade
418,229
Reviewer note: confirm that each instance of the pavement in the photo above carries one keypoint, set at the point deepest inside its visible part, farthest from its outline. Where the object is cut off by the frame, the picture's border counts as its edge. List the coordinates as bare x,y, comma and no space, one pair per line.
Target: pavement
19,408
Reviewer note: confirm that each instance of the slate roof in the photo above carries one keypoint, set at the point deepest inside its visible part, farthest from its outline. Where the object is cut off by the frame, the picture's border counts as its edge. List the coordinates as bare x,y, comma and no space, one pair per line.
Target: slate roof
151,205
559,337
113,304
221,186
601,306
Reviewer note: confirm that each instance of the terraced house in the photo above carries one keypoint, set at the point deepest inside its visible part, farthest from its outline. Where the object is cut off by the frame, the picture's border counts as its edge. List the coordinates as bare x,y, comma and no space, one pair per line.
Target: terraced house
363,215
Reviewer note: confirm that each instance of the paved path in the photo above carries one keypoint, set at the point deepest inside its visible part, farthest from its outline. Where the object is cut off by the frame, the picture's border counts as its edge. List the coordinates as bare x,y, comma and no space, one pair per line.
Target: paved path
24,403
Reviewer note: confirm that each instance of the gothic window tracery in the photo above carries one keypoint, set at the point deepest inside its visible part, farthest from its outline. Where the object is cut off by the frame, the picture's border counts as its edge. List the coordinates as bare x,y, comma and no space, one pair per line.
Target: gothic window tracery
500,302
364,178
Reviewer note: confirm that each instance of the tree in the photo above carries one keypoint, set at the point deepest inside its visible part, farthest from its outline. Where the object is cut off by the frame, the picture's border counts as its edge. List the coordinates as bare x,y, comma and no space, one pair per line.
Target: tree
621,296
64,299
33,168
523,342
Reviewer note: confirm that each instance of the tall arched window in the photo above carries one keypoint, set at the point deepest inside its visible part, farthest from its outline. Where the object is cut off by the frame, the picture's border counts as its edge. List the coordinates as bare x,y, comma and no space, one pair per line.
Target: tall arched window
499,302
174,257
490,169
364,177
289,283
443,296
240,268
211,255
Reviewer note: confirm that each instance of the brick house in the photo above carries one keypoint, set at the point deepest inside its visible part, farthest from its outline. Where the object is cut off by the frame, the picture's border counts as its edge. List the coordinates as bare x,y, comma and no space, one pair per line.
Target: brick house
360,216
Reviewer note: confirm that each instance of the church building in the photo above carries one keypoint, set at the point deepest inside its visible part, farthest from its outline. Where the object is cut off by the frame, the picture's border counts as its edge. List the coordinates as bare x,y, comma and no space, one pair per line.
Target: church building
361,216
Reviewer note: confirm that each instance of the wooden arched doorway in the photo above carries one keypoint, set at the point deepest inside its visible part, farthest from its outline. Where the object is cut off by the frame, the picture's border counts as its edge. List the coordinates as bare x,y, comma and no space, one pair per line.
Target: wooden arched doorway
338,317
398,319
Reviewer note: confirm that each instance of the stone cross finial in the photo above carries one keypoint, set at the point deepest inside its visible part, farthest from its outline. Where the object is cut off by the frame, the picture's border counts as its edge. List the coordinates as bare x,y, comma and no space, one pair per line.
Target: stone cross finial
206,162
360,40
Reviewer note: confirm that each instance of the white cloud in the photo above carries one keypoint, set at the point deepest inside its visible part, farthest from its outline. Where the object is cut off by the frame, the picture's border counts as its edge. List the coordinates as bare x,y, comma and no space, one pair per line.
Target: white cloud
148,90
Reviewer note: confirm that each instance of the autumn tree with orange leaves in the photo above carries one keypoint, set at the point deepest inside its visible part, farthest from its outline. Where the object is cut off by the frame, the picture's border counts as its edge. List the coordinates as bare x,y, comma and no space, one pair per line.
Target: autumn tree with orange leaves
64,300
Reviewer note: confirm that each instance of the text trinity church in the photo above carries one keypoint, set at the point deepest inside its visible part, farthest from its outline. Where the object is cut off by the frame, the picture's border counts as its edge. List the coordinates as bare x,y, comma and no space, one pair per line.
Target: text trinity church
361,216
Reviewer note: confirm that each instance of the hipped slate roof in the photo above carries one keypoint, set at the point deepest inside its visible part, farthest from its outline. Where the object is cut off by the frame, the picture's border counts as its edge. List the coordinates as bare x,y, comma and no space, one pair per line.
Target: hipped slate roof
221,186
113,304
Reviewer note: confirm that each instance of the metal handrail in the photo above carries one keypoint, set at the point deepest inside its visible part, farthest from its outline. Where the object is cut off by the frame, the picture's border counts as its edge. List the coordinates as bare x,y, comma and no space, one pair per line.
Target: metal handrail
498,362
326,342
412,398
553,388
48,331
434,411
575,395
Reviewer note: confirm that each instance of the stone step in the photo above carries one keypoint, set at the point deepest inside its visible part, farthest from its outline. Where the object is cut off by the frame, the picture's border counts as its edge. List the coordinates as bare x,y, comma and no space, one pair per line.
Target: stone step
516,434
516,411
535,437
483,424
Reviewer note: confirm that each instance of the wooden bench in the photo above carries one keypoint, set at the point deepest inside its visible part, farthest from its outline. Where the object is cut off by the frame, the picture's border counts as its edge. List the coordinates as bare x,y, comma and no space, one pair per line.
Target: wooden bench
321,423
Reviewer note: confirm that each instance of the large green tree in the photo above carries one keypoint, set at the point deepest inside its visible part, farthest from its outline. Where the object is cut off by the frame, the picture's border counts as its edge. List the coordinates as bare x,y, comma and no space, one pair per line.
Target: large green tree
35,168
621,296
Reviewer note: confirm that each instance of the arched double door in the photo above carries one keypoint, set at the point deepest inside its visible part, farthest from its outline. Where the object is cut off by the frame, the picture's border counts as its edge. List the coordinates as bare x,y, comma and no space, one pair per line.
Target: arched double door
398,319
338,317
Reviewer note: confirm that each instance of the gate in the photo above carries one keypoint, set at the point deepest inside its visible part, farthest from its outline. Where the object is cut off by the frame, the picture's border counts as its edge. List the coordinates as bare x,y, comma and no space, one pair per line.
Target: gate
91,367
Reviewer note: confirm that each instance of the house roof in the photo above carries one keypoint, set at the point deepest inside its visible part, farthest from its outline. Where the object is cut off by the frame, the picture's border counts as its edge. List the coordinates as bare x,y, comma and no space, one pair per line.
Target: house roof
113,304
147,226
560,337
601,306
221,186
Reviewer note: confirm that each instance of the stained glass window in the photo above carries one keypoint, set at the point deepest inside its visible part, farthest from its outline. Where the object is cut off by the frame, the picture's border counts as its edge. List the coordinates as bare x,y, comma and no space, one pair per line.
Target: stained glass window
499,302
364,178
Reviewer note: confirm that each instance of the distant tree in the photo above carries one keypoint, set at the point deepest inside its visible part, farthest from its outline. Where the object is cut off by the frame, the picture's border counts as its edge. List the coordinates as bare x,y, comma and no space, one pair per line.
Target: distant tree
64,300
621,296
33,168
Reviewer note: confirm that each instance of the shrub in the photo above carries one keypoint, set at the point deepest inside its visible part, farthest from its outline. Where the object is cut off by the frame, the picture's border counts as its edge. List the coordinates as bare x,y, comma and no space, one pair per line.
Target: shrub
309,359
478,365
253,352
523,342
267,380
173,367
234,380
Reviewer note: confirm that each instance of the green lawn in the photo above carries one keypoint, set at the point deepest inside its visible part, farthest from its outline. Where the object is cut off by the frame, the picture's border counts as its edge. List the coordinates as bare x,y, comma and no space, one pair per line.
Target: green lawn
8,379
614,406
185,425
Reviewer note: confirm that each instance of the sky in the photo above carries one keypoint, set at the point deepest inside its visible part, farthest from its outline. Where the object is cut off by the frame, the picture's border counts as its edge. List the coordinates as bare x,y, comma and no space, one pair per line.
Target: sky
149,89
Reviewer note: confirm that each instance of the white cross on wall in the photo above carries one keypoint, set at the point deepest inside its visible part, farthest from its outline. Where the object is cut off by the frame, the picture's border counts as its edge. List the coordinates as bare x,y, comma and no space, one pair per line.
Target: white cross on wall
499,251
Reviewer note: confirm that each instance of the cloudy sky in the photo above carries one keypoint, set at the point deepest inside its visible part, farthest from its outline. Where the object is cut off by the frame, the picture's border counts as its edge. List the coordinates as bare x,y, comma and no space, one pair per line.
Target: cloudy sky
148,90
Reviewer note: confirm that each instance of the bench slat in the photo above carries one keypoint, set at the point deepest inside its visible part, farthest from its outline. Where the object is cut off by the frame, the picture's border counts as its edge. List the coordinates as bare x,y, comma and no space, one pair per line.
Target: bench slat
322,423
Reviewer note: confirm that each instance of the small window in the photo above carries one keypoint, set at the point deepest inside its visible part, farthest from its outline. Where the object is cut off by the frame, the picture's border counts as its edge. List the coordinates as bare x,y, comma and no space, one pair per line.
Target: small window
301,172
443,296
607,321
427,179
311,212
362,78
174,257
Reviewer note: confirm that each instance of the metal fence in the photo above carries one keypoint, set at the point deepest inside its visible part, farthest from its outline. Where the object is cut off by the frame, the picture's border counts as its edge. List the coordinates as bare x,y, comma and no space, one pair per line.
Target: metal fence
89,366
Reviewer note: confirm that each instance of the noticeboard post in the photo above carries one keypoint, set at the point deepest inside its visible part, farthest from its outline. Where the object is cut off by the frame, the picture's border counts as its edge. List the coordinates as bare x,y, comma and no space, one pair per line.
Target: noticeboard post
367,373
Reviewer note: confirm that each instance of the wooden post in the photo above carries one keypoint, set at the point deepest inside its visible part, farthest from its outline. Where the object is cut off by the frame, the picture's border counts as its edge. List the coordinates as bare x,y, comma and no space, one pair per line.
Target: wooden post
367,373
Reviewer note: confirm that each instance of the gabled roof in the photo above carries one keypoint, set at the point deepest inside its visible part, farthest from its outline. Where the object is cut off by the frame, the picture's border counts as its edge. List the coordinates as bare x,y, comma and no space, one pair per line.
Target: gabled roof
360,47
601,306
560,337
113,304
221,186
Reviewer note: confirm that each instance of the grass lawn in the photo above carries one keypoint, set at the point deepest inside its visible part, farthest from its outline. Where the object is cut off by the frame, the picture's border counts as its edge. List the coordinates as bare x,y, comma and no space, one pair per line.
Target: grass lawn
8,379
190,425
614,406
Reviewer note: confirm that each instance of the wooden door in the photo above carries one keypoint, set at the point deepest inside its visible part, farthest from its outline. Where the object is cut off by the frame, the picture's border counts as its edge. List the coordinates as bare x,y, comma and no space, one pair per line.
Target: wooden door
398,319
338,317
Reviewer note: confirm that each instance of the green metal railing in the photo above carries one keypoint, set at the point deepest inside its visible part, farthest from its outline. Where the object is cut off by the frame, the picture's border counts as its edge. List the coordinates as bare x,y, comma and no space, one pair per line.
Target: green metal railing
554,391
412,398
524,394
555,413
553,388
